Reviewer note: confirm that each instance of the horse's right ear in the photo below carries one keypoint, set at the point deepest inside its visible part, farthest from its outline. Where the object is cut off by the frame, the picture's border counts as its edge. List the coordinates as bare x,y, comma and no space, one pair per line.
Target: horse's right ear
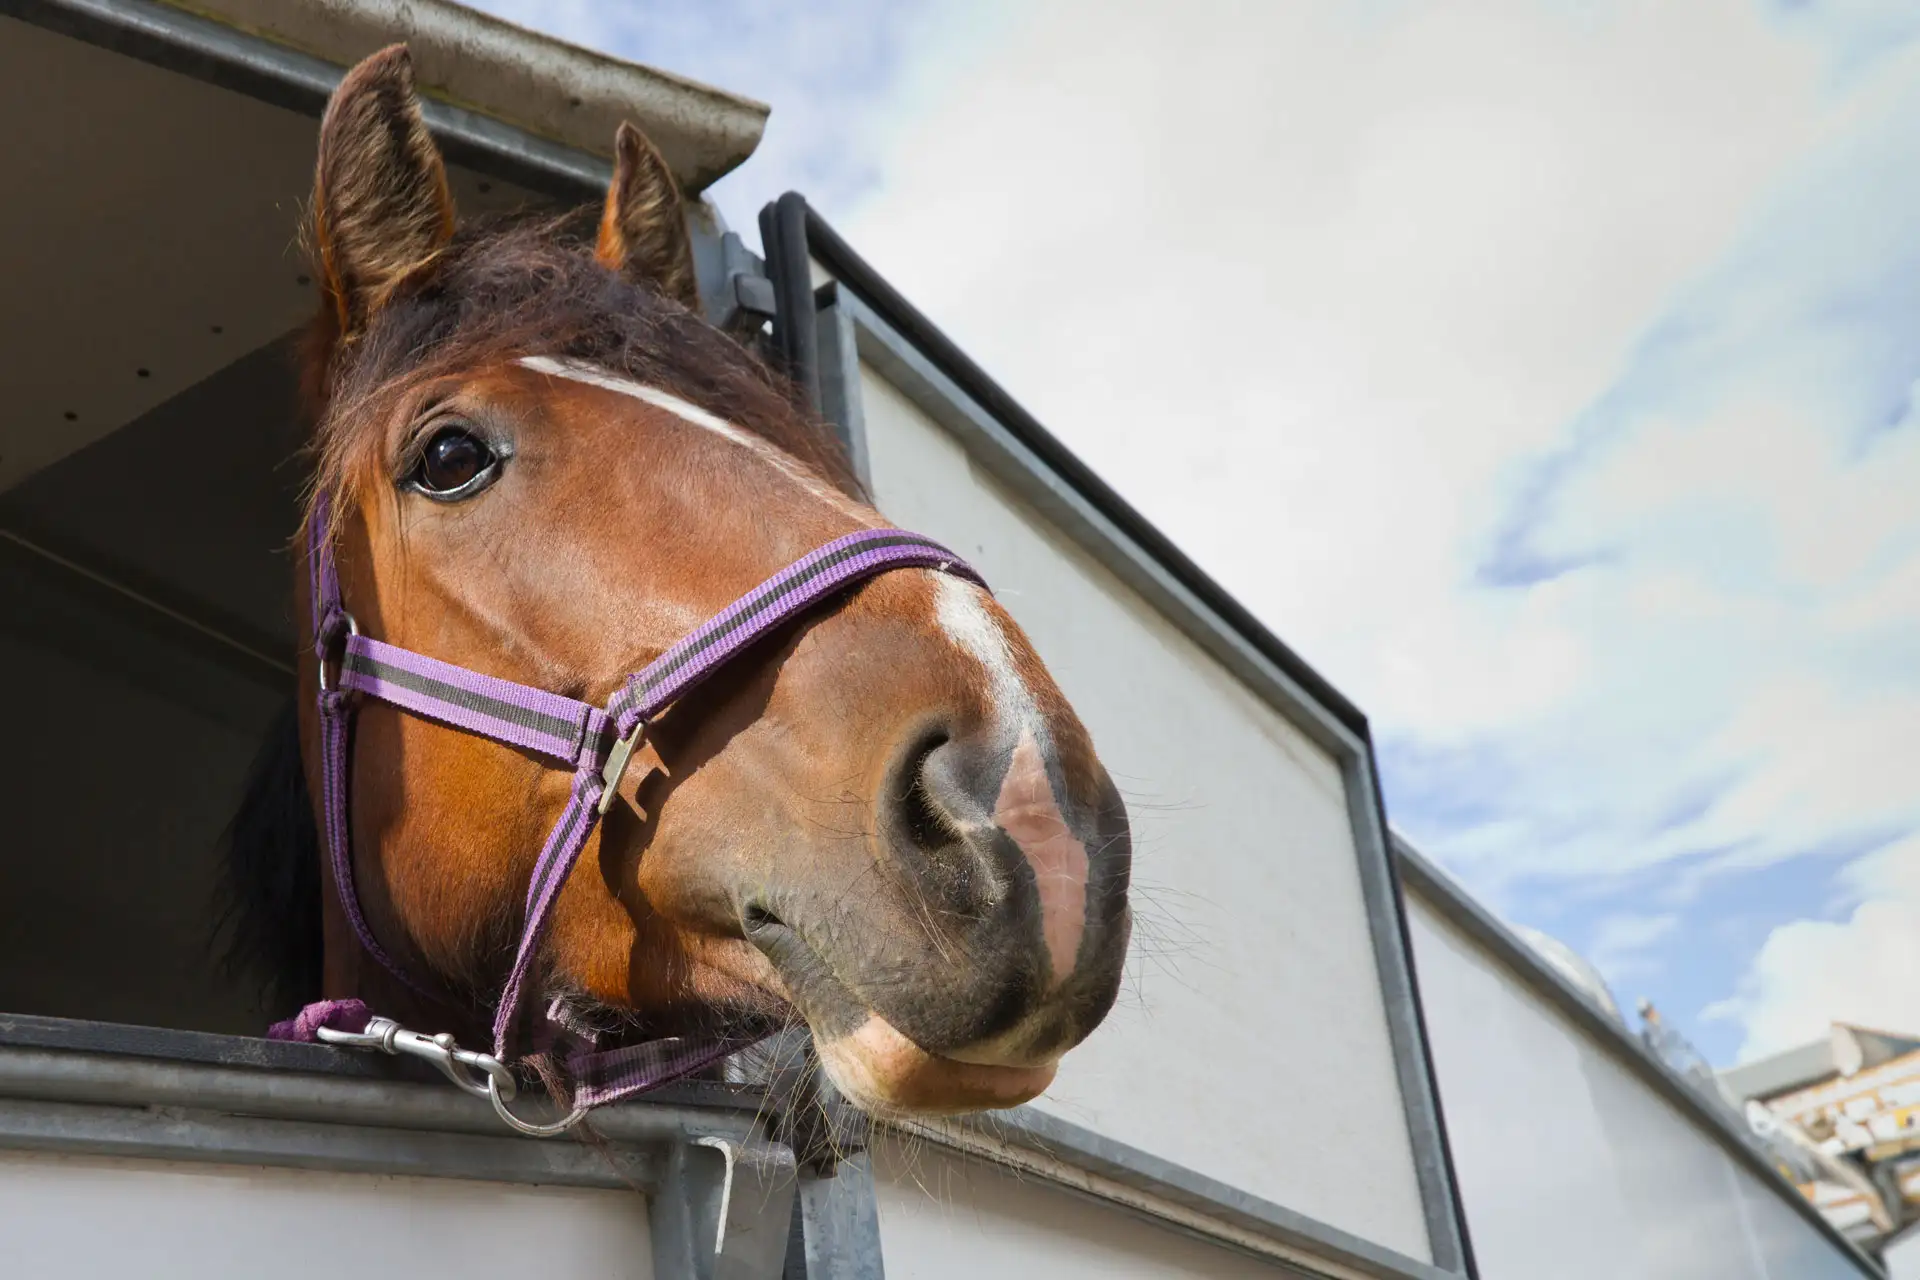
643,226
381,209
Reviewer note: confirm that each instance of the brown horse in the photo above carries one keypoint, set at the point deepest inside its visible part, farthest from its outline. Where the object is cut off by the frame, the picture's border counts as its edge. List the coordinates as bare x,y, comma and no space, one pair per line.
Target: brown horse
885,820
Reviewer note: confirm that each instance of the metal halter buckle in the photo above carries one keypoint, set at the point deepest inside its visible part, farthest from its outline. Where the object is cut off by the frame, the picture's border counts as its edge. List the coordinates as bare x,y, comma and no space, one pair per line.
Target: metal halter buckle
617,765
494,1080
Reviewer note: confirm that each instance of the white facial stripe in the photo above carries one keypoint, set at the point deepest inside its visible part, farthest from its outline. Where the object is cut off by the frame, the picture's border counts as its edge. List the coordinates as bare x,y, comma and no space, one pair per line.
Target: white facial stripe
595,376
961,608
1026,808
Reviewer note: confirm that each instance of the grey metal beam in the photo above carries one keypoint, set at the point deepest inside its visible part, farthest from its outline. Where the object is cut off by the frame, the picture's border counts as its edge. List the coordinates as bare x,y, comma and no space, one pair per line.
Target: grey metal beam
166,1045
107,1079
840,402
206,50
854,273
722,1209
213,1137
840,1223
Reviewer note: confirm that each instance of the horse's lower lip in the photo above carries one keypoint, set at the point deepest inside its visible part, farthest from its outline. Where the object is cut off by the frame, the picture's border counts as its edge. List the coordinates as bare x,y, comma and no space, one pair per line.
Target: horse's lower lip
873,1063
885,1073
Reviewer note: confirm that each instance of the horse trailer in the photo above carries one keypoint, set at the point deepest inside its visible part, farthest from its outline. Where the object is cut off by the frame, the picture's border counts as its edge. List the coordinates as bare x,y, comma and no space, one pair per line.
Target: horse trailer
1349,1069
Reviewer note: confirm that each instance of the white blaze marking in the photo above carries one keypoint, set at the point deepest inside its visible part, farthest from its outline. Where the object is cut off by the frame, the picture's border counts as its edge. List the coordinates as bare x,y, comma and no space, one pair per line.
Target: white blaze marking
594,376
961,608
1026,809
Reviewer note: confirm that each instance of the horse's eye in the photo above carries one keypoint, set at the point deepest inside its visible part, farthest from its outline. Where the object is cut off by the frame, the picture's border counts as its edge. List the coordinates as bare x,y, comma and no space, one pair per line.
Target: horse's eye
455,464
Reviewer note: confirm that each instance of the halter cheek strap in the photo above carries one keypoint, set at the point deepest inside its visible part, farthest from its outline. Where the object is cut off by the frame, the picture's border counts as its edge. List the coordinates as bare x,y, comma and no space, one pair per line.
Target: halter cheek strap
593,742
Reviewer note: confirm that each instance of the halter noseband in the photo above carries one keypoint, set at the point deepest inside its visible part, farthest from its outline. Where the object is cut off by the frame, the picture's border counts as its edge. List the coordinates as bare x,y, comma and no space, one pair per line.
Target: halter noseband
596,743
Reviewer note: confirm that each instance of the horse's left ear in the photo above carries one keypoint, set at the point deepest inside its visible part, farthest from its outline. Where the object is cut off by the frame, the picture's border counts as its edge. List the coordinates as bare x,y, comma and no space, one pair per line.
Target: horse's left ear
643,231
381,210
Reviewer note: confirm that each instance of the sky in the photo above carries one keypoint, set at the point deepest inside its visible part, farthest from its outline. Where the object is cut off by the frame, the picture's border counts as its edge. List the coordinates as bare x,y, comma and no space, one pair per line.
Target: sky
1543,371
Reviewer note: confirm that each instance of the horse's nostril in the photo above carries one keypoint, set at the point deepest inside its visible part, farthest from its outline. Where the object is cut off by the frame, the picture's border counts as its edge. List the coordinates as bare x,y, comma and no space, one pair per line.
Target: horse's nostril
755,919
921,816
937,815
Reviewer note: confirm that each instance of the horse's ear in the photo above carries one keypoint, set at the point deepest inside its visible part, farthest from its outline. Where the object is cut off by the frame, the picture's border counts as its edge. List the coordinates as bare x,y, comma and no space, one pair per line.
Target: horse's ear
381,208
643,231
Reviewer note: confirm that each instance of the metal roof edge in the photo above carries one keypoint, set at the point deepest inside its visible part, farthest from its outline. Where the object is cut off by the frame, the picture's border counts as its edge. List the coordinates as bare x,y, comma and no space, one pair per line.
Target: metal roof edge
569,95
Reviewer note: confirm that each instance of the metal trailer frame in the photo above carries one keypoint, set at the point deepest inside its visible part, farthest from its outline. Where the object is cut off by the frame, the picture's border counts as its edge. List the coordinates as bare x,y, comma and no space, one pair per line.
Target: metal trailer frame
1458,908
720,1189
54,1075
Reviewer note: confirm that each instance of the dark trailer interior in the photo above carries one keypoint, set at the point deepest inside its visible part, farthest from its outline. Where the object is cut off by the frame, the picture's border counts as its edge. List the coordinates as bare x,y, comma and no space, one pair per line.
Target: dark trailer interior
150,453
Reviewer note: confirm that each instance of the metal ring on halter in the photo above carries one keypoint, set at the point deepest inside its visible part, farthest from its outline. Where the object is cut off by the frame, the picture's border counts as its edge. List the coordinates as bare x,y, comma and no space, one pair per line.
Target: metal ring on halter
532,1130
353,629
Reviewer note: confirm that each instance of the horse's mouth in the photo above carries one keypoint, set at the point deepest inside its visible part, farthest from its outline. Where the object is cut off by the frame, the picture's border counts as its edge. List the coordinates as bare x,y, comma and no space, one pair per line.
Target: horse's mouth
885,1074
876,1066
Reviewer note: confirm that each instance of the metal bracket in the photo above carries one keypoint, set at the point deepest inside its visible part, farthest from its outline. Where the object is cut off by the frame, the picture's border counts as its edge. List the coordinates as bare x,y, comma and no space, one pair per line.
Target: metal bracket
835,1231
723,1209
740,297
840,1223
841,401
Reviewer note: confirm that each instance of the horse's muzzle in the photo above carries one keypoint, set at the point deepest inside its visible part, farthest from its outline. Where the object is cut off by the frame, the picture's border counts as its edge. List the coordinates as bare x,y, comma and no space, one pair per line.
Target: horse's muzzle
990,932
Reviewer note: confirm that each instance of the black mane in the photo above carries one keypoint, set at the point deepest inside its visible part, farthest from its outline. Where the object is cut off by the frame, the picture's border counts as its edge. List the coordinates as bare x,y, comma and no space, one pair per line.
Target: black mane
270,887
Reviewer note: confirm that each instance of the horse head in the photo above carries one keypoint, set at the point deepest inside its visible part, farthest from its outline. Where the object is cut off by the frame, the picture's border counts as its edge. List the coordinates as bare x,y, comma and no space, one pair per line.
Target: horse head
884,819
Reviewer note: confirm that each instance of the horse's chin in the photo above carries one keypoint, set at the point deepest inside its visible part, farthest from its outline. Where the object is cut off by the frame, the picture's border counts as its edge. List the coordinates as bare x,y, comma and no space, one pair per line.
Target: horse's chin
885,1074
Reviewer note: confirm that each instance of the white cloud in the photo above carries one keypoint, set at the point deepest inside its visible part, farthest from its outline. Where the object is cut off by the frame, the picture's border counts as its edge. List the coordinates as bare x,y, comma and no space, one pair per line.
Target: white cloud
1861,969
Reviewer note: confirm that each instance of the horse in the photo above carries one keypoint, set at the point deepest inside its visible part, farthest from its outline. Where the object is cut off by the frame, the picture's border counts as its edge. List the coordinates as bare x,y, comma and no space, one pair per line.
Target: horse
881,820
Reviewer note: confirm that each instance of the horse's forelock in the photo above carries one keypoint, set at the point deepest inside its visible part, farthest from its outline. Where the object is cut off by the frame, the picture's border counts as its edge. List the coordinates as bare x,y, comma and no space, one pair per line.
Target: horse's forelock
534,288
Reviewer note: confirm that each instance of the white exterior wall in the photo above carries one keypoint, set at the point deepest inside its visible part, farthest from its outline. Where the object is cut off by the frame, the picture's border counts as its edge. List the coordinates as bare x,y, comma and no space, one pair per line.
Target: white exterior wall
1569,1165
1251,1041
944,1218
67,1216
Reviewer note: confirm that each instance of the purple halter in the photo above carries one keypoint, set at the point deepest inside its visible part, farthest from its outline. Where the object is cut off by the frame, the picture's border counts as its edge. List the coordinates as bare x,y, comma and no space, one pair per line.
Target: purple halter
594,742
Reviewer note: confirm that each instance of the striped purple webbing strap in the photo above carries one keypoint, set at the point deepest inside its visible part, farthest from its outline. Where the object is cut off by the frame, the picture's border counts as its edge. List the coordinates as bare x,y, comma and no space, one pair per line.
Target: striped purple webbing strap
793,590
549,724
570,733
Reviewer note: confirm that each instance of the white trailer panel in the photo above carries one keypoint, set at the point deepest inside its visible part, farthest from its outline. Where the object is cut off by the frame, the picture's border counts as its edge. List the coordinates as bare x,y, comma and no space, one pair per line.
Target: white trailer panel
1252,1044
66,1216
1570,1164
943,1218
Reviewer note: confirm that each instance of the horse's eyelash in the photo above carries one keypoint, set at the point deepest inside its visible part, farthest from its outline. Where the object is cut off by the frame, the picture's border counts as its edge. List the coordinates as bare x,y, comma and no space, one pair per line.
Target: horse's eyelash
430,419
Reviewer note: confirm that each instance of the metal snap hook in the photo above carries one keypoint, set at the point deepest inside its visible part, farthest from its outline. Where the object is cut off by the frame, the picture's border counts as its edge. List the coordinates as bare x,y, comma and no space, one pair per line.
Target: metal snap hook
480,1074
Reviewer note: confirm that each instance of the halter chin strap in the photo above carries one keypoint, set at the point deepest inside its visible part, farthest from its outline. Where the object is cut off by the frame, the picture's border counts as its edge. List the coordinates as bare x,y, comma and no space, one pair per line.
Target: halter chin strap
594,742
